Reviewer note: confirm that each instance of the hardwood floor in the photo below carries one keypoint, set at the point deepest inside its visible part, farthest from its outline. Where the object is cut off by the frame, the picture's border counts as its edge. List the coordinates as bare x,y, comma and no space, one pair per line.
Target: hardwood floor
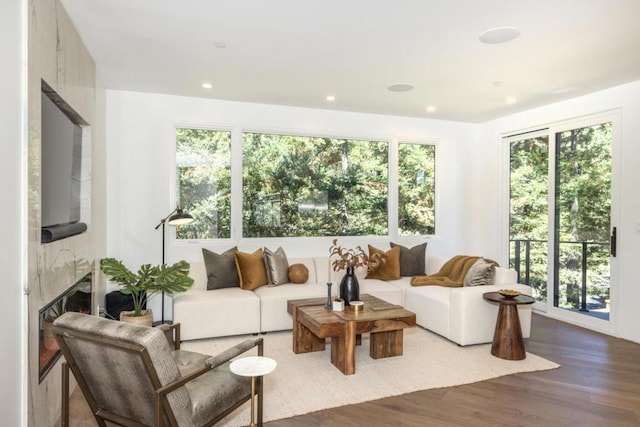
598,384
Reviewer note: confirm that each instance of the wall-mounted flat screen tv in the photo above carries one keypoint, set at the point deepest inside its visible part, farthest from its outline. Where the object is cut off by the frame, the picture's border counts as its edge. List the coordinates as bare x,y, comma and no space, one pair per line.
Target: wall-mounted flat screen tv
61,168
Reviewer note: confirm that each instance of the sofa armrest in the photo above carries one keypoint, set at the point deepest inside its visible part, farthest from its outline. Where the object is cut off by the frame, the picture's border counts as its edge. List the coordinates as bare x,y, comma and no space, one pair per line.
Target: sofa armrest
505,276
472,320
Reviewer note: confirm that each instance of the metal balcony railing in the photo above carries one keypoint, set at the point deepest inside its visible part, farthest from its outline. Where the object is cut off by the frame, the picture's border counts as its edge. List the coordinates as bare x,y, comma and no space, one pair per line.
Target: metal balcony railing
525,277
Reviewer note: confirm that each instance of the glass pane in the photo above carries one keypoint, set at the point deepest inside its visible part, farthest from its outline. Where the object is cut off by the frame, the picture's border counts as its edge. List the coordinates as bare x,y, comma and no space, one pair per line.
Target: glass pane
296,186
583,208
528,214
416,189
203,169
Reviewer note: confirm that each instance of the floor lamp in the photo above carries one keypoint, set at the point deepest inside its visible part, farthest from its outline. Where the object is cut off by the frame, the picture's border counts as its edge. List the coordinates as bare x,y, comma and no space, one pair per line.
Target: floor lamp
176,217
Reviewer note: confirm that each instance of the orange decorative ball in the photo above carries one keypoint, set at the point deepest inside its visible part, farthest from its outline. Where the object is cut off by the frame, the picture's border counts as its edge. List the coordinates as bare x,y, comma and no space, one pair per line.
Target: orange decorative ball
298,273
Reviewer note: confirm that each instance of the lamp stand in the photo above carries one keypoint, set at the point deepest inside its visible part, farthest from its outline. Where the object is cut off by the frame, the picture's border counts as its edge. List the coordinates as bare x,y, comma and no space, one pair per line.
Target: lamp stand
163,238
175,217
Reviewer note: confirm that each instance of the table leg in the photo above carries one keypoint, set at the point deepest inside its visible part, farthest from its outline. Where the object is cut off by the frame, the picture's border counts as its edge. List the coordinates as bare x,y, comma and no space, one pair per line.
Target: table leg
386,344
343,350
253,393
507,339
305,341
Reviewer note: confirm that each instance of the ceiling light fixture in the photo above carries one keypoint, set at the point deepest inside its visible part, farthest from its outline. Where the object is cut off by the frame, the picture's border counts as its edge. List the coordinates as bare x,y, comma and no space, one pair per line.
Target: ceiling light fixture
207,85
331,98
431,109
499,35
510,100
400,87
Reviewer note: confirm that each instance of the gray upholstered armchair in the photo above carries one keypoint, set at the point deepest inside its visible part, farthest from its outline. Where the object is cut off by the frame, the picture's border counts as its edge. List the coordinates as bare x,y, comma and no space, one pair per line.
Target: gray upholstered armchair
130,375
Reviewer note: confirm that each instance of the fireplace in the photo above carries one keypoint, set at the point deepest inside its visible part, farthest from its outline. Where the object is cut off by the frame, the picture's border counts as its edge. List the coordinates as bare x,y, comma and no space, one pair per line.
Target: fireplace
76,298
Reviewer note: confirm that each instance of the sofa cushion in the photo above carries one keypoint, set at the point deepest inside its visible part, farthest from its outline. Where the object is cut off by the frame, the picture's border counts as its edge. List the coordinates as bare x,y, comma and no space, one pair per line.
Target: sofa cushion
221,269
390,268
412,260
276,266
481,273
251,269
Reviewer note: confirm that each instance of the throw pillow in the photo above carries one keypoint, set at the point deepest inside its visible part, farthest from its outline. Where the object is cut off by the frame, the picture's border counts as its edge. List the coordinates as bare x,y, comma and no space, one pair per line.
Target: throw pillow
412,260
481,273
388,270
221,269
277,266
298,273
251,269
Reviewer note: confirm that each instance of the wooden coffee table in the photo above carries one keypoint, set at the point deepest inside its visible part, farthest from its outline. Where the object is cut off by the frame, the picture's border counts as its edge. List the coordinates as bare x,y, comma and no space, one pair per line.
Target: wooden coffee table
312,323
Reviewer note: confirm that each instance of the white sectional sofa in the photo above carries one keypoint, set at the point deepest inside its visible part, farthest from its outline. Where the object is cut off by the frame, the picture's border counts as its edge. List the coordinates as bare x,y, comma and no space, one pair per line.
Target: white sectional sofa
459,314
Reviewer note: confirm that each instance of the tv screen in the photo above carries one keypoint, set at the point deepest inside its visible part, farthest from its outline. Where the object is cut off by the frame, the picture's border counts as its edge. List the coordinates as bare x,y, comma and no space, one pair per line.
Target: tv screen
61,164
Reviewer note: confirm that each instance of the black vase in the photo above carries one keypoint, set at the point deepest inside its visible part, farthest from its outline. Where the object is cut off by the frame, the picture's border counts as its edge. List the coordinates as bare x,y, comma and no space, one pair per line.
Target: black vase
349,288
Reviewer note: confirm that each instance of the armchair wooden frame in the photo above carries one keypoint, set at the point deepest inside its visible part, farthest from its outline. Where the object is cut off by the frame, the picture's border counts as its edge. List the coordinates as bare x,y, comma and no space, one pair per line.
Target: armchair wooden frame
163,414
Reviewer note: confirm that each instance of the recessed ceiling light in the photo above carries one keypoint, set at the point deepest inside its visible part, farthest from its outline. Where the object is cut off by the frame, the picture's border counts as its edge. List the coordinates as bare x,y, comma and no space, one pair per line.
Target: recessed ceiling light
220,45
207,85
400,87
499,35
431,109
331,98
510,100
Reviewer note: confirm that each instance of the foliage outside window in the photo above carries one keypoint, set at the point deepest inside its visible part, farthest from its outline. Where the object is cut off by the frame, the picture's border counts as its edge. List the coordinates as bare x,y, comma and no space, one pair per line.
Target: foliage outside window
528,215
295,186
582,217
203,169
416,189
583,210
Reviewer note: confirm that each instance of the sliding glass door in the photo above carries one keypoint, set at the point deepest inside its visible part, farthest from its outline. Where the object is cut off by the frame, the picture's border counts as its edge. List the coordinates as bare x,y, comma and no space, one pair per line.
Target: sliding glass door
562,234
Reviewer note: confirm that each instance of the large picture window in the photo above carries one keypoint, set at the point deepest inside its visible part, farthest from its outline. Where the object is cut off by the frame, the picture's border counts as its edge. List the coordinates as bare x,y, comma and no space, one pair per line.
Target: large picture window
416,189
294,186
203,176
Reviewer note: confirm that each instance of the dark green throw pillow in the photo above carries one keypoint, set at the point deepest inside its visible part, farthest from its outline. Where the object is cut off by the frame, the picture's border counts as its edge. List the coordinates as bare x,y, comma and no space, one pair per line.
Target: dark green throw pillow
412,260
221,269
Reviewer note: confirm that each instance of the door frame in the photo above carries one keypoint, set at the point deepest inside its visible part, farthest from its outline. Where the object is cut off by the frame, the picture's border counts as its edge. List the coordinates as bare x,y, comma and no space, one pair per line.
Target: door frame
611,326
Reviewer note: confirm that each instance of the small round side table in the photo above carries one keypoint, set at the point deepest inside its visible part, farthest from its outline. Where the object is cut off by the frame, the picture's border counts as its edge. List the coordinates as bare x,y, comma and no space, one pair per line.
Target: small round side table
253,366
507,339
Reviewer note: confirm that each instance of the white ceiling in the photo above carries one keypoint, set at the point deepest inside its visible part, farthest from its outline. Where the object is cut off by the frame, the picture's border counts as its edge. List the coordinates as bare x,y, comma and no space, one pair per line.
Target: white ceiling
296,52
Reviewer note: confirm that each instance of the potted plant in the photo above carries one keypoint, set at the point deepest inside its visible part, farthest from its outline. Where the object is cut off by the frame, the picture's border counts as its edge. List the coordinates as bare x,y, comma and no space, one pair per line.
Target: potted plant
145,283
350,259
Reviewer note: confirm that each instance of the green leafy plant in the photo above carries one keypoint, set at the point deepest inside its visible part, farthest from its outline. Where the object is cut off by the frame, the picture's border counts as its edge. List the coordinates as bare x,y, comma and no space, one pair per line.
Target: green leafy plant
148,280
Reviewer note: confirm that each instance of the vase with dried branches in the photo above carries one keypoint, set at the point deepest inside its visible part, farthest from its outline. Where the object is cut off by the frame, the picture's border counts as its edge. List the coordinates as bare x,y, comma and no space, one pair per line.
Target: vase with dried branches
350,259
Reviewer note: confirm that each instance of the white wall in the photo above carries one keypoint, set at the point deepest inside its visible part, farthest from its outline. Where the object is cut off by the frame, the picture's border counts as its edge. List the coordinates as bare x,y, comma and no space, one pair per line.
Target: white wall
12,246
140,150
626,100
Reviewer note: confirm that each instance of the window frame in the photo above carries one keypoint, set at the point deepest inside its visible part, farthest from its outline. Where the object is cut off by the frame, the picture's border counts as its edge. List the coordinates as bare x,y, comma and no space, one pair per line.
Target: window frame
237,132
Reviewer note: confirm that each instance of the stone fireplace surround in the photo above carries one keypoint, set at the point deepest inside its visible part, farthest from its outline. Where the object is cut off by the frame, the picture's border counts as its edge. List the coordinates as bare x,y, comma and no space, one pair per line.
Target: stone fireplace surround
56,55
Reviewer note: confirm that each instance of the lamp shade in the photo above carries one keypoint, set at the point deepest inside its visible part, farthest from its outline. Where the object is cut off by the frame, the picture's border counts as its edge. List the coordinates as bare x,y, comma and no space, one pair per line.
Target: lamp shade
179,218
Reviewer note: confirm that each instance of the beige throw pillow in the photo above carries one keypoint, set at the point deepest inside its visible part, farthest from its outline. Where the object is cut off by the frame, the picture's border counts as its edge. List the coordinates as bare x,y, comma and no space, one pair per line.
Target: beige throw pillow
481,273
277,266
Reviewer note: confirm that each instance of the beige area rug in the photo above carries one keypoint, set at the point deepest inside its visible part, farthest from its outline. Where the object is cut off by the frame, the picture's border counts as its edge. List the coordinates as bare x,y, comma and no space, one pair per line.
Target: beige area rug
304,383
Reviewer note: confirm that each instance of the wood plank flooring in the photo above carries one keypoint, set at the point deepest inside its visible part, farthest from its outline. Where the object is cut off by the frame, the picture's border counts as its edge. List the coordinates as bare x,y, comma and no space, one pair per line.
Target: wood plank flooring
598,384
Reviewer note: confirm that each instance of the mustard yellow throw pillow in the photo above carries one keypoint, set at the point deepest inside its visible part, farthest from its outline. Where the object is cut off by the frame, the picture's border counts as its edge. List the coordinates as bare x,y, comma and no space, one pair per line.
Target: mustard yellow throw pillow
251,269
390,268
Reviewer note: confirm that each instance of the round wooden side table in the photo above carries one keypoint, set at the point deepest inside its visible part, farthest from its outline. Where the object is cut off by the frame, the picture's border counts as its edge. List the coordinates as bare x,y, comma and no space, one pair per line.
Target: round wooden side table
253,366
507,339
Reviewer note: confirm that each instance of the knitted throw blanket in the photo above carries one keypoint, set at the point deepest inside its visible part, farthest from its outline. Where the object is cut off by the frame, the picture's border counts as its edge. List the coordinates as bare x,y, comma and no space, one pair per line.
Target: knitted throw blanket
451,274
